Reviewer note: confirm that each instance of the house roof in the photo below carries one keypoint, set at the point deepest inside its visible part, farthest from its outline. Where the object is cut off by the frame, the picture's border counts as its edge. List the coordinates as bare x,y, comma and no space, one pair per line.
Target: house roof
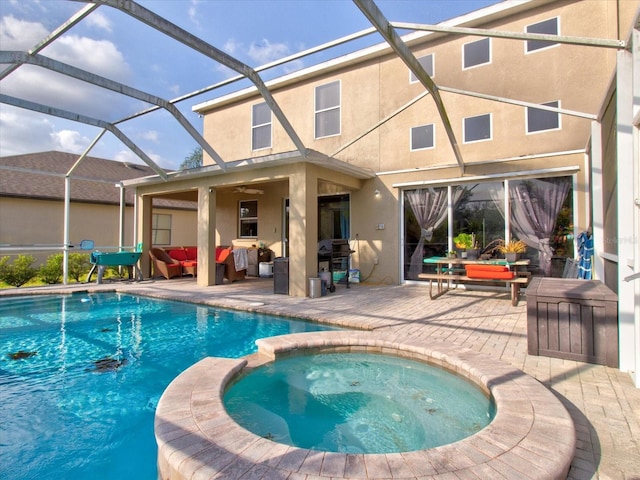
41,176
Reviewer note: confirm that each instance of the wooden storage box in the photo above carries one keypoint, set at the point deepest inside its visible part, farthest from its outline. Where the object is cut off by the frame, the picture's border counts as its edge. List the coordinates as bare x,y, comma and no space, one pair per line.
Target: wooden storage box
572,319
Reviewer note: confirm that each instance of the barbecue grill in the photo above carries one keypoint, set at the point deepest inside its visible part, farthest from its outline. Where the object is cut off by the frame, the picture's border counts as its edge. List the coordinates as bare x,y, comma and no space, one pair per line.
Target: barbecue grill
336,253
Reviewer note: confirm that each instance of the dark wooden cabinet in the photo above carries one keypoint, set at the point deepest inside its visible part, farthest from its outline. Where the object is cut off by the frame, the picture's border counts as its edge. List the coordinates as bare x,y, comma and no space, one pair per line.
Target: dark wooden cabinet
572,319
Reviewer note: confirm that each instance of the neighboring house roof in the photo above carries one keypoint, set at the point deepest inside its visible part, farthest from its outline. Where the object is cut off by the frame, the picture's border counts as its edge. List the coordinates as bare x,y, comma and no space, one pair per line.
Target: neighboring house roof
41,176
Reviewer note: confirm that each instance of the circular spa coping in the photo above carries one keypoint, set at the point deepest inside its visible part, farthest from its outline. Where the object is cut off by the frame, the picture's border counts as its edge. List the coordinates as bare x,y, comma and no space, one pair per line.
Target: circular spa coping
531,437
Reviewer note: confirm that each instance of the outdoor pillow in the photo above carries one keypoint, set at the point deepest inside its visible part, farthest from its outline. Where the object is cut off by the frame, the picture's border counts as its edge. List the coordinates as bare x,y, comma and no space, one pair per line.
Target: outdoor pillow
222,253
192,253
487,268
178,254
498,273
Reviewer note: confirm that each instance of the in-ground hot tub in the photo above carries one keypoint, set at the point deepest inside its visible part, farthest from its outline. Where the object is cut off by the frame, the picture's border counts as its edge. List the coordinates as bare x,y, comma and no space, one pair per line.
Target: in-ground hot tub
358,403
531,435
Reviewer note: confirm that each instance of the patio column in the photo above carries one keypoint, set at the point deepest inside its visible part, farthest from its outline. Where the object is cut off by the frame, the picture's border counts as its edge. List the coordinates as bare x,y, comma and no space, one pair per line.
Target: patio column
303,228
206,236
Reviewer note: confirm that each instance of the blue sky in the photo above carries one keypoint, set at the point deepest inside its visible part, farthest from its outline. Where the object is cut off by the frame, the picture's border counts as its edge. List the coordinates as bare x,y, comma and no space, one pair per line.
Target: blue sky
116,46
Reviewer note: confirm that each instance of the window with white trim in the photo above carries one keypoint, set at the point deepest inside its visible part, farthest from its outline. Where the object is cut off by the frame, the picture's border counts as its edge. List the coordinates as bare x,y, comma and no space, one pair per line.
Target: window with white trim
476,53
260,126
423,137
248,221
539,120
476,129
161,229
549,27
427,63
327,110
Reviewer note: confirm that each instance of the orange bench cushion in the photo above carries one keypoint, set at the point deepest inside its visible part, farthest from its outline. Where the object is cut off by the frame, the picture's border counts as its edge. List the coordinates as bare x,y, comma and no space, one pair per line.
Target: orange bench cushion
491,272
192,253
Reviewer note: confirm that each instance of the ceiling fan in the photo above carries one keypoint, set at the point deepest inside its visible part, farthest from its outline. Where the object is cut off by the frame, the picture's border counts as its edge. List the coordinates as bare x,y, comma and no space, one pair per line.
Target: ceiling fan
250,191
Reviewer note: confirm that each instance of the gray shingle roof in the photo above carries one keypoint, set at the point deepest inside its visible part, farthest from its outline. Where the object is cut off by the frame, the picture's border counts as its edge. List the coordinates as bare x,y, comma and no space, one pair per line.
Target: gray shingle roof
93,181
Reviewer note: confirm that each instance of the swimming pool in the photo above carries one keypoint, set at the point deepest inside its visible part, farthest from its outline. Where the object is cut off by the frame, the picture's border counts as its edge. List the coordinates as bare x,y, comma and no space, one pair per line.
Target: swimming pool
80,377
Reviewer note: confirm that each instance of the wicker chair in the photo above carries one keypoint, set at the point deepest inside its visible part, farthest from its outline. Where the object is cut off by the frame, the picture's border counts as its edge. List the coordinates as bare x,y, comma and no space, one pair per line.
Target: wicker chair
163,264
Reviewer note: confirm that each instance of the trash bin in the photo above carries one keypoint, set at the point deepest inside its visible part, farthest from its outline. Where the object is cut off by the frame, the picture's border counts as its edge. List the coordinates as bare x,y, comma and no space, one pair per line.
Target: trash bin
315,287
281,275
220,268
326,281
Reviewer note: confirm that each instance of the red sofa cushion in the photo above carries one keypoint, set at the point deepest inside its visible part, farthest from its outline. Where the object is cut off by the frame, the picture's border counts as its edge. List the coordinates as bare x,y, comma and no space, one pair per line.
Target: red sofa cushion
178,254
222,253
192,253
497,272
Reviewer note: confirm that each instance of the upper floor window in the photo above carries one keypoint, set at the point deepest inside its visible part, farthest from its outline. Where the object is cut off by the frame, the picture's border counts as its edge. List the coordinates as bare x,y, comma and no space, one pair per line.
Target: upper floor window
476,53
541,120
327,110
161,229
549,27
423,137
248,227
427,63
260,126
477,129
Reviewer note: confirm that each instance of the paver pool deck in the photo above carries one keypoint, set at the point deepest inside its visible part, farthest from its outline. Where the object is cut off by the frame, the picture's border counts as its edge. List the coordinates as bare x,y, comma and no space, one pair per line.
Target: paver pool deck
602,401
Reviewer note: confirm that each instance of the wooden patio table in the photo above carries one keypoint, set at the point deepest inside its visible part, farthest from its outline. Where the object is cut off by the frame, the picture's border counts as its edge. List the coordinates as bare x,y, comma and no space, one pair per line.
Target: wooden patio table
451,270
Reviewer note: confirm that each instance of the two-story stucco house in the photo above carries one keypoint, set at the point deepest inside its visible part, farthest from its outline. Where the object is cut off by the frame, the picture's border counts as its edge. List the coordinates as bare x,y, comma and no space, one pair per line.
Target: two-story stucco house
479,125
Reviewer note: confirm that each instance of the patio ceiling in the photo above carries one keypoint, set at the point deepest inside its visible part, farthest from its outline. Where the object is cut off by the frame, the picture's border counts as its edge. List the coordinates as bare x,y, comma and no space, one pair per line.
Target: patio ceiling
143,15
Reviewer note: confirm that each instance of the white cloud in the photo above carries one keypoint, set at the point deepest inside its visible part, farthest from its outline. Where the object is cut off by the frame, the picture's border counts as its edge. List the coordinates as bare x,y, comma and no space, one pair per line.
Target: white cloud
20,35
25,132
69,141
232,46
266,52
97,56
48,88
150,135
193,13
99,20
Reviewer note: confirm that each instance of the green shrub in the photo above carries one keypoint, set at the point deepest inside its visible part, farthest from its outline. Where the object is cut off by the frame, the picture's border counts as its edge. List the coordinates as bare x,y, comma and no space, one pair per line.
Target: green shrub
19,272
79,265
51,271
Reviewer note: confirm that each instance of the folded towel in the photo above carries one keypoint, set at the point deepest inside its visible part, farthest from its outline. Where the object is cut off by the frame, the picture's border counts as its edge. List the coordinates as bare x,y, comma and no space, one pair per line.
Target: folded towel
240,258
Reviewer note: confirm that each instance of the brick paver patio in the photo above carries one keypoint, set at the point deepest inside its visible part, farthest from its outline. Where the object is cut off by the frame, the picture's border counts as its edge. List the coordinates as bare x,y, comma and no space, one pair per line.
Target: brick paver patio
603,403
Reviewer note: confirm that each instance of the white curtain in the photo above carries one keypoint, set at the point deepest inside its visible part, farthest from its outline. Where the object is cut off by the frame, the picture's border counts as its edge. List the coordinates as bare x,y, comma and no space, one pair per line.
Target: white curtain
535,205
429,206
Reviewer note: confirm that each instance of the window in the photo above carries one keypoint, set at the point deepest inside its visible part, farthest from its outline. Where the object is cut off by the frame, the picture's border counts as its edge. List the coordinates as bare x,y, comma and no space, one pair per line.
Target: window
161,229
542,120
477,129
423,137
427,63
476,53
248,219
549,27
260,126
327,115
540,212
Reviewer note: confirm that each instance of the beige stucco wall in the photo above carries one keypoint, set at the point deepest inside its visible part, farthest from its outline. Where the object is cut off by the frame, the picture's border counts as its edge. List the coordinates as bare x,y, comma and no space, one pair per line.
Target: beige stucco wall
29,222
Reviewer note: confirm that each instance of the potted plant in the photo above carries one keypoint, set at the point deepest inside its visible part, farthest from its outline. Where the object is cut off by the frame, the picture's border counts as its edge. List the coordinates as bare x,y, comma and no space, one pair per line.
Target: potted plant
465,242
451,254
512,249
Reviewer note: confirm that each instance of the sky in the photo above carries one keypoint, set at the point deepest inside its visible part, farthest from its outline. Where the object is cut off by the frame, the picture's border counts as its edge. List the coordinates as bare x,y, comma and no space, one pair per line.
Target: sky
116,46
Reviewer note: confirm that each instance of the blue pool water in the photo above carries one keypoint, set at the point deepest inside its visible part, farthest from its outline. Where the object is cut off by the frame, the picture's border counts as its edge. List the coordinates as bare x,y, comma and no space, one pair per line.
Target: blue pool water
358,403
80,377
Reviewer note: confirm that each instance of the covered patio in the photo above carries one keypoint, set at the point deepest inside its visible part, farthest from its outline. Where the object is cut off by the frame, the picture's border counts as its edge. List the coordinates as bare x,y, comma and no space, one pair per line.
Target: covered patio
299,178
